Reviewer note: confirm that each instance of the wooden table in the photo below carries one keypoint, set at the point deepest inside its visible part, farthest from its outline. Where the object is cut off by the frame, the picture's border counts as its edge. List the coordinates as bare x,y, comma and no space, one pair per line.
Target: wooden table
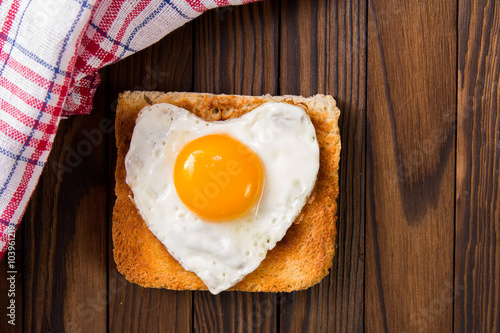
418,247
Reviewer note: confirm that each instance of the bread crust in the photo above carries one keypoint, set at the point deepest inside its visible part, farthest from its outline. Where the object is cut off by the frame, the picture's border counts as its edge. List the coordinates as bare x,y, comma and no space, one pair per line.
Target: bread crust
300,260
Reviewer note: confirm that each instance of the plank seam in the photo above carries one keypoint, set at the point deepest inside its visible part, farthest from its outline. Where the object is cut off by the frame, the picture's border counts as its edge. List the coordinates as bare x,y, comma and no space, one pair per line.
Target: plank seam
365,122
457,22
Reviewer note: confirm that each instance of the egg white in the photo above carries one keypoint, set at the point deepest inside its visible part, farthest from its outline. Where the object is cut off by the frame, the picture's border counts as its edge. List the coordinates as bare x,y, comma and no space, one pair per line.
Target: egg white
222,254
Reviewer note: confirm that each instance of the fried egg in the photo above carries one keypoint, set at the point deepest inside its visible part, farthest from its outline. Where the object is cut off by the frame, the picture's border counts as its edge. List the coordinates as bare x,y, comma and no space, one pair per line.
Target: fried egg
219,195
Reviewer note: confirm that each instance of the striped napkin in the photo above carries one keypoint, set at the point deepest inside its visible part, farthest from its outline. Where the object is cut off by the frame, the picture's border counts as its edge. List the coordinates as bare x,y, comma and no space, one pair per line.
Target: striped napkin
50,51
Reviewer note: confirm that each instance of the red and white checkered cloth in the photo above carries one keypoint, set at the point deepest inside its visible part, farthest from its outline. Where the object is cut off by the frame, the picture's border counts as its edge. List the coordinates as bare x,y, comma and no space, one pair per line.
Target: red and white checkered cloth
50,51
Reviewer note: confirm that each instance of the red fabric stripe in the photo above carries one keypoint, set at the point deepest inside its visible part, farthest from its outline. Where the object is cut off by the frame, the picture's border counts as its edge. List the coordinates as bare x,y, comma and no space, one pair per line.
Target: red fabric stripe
11,15
5,30
21,137
93,49
86,88
26,98
110,15
28,73
197,5
132,15
92,46
28,171
221,3
25,119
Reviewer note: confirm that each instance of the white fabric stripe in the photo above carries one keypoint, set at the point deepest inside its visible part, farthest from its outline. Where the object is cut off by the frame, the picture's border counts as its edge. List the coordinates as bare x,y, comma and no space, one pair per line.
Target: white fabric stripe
157,29
46,42
28,110
39,36
37,171
210,4
29,86
5,161
20,127
14,182
45,72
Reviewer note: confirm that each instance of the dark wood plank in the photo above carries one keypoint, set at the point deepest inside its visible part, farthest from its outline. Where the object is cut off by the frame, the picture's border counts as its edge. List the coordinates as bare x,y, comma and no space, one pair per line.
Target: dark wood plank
234,312
323,50
477,251
165,66
236,52
11,284
410,168
65,233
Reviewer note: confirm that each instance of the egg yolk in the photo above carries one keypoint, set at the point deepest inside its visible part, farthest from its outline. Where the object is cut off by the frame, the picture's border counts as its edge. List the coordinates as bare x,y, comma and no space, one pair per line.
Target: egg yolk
218,177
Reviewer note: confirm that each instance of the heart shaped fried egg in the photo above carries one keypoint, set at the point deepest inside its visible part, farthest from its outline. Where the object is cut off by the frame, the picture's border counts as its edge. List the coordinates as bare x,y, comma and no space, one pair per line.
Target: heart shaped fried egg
219,195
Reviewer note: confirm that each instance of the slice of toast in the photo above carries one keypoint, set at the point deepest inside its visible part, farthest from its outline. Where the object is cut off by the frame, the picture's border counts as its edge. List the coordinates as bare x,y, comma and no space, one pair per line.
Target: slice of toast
300,260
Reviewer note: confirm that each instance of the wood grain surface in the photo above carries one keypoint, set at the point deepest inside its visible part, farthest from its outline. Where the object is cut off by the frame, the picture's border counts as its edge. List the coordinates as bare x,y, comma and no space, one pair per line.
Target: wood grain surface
65,234
236,52
477,247
167,66
418,239
323,50
411,165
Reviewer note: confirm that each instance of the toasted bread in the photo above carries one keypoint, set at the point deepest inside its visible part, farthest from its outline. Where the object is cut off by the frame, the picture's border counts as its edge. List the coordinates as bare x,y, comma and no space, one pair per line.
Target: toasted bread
300,260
